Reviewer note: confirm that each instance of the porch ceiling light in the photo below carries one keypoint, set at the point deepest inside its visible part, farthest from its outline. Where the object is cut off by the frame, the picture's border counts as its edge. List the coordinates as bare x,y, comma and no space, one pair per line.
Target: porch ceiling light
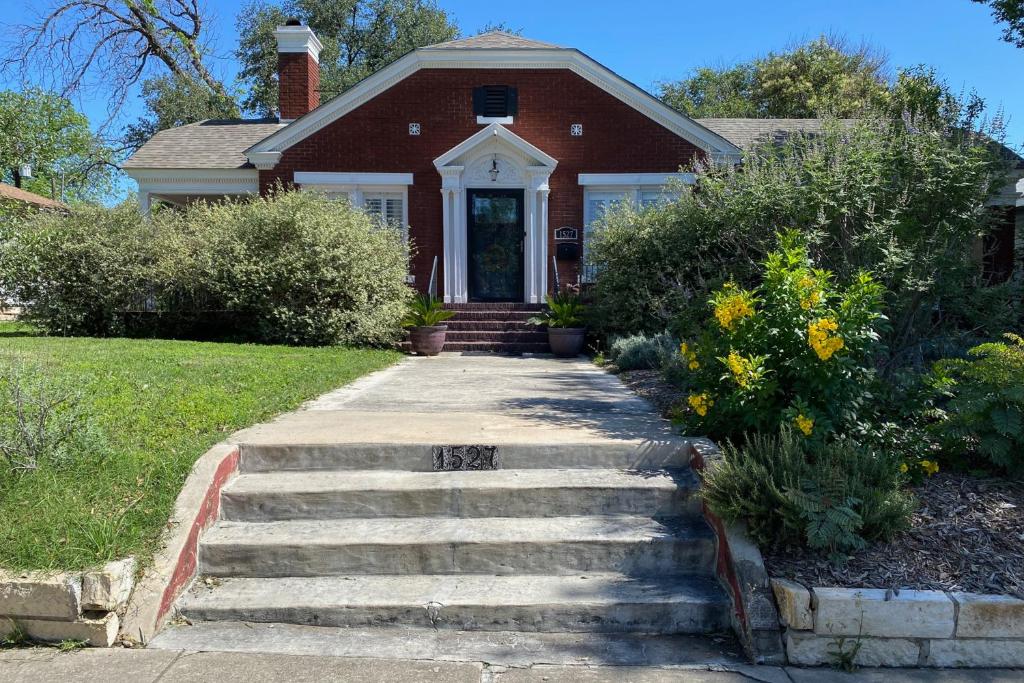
494,169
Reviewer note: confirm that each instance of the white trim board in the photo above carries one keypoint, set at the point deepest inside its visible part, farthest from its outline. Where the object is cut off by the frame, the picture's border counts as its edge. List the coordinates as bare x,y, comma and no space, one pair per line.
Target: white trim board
467,58
632,179
331,178
499,132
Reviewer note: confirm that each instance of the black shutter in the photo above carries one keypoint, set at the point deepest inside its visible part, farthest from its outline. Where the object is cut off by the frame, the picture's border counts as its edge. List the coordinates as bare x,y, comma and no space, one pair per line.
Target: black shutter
512,102
479,101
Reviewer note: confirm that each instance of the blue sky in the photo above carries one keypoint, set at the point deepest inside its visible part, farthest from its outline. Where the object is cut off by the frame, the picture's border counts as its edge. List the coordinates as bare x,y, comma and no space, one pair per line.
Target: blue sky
648,41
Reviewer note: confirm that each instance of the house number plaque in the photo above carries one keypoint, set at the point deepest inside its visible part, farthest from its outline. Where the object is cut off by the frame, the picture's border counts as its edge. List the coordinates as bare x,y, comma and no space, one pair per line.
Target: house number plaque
566,233
448,458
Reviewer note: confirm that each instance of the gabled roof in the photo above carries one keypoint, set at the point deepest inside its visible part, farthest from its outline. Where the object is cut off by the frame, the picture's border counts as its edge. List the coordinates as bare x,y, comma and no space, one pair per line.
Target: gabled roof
207,144
496,50
12,193
492,39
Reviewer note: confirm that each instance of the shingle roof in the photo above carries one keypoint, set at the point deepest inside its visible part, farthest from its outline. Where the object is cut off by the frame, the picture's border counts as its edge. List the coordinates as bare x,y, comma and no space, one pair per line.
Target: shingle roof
207,144
17,194
746,132
492,39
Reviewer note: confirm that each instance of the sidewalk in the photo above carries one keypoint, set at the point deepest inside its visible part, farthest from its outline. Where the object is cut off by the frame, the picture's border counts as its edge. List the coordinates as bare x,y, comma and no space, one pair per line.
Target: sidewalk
165,666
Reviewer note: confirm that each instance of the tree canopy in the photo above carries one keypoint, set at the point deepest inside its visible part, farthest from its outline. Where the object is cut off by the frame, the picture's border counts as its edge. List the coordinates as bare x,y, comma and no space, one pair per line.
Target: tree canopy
359,37
175,101
44,130
1011,13
824,75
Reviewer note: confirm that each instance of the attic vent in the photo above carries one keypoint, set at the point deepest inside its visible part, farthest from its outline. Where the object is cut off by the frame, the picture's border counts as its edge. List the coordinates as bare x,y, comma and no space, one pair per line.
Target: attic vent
495,101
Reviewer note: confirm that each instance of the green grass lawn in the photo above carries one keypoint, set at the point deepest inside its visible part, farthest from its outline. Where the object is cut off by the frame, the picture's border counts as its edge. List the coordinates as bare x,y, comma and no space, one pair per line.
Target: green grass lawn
157,406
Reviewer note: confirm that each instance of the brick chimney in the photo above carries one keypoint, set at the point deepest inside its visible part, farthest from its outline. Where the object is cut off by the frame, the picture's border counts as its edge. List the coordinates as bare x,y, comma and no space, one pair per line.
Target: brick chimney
298,70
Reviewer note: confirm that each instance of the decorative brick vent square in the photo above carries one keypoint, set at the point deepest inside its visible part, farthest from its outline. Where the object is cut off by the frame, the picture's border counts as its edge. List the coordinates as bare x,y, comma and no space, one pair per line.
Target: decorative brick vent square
414,129
449,458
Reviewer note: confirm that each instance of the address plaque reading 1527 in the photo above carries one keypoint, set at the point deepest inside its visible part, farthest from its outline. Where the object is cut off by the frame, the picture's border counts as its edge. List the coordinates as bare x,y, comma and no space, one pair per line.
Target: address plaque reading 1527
465,458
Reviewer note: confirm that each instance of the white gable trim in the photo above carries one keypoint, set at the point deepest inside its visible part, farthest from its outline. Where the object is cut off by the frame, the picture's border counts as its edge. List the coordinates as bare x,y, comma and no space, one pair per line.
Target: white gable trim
619,179
462,58
498,131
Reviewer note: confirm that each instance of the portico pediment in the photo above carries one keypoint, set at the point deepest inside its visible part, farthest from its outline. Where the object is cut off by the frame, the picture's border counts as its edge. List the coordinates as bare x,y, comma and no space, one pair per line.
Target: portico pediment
492,140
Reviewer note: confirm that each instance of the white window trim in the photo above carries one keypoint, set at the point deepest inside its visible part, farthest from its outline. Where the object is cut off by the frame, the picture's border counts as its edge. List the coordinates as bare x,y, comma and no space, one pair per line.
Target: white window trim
631,179
306,178
504,120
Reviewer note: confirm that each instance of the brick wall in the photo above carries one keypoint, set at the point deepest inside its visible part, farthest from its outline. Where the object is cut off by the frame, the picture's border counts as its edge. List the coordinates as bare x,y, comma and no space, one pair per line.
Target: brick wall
299,78
375,138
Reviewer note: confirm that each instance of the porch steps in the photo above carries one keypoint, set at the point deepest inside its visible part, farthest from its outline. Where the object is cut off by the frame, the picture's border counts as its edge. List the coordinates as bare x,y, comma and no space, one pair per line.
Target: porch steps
495,328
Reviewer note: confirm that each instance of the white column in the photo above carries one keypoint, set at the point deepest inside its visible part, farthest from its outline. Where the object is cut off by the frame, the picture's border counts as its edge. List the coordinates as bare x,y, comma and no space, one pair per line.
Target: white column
530,248
460,241
543,245
145,202
446,243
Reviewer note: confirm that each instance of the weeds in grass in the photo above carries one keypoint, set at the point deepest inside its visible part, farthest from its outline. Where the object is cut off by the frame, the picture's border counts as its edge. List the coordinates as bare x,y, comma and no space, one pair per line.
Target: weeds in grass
16,637
71,645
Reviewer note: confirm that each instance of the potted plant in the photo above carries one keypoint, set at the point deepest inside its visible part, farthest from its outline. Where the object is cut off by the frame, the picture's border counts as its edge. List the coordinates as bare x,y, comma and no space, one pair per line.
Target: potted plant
564,320
426,333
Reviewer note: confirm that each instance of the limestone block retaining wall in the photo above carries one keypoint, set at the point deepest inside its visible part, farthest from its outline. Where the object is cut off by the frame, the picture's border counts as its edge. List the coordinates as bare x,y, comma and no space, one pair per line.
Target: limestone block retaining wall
67,606
878,627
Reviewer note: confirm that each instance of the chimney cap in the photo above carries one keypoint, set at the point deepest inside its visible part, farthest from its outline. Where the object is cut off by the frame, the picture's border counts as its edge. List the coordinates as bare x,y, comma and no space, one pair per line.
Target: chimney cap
297,38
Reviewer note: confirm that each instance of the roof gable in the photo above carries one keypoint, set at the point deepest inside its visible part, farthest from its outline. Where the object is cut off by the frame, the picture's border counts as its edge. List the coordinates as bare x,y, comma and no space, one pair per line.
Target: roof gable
469,55
492,39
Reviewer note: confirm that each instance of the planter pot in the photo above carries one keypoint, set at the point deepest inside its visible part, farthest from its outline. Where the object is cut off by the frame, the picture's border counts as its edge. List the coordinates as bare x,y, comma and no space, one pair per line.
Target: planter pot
427,341
566,341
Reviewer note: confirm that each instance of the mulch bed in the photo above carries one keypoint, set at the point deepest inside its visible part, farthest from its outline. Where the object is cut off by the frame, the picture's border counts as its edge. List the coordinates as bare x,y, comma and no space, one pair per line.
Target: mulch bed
966,535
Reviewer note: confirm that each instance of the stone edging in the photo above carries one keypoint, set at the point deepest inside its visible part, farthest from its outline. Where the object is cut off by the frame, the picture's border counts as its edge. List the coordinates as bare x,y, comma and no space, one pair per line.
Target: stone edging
174,566
741,571
54,607
876,627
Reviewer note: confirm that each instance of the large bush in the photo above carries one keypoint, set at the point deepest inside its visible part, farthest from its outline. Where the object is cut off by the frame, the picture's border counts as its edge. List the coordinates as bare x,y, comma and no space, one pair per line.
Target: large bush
986,410
795,350
904,202
640,352
293,267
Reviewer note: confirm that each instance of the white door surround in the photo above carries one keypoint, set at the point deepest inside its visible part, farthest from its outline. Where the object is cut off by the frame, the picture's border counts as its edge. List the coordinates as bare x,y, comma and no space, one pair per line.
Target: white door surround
471,165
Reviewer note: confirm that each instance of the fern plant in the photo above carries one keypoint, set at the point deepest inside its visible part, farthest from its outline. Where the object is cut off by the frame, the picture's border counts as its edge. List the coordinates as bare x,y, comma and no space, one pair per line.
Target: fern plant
832,523
426,311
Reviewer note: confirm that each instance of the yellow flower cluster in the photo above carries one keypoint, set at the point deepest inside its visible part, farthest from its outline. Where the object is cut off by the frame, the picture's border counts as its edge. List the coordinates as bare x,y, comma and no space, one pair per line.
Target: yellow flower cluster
930,467
813,296
733,307
700,403
804,424
821,338
742,369
689,355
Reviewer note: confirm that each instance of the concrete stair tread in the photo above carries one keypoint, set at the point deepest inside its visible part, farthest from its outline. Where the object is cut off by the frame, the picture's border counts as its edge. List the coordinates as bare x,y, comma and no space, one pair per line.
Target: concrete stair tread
409,531
401,480
321,592
501,648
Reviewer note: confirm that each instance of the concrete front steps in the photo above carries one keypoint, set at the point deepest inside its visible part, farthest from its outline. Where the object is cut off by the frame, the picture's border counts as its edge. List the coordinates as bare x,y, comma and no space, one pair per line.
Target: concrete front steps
586,534
495,328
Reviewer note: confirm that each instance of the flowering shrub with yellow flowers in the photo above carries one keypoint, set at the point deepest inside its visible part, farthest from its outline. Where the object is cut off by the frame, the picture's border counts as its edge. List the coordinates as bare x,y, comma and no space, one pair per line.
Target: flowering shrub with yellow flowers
795,351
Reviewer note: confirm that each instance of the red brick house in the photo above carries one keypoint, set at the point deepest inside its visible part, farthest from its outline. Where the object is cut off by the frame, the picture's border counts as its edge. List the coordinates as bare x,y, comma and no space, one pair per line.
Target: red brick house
496,153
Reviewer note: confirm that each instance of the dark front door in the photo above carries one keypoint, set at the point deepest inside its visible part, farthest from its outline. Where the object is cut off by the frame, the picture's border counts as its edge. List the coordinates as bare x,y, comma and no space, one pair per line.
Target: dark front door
494,232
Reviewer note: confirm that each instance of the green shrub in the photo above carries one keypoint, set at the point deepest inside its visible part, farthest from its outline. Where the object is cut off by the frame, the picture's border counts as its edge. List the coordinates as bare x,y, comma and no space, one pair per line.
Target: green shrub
796,350
901,202
986,407
292,267
76,272
832,496
640,352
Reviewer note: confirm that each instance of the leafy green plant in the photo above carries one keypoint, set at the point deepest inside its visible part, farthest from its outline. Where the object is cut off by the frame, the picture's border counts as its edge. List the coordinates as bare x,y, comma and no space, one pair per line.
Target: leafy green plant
564,310
16,637
796,350
640,352
71,645
426,311
792,491
986,407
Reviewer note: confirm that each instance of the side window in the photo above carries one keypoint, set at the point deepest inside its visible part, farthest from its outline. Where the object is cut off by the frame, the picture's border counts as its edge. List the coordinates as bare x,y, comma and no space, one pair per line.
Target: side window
388,206
596,205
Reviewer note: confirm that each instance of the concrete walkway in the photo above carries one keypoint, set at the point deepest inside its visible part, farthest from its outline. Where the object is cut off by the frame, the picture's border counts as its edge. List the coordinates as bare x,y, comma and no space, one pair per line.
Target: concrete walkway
43,665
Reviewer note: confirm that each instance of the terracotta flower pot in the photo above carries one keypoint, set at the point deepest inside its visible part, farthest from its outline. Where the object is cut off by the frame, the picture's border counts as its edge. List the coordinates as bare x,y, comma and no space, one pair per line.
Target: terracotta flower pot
566,341
427,341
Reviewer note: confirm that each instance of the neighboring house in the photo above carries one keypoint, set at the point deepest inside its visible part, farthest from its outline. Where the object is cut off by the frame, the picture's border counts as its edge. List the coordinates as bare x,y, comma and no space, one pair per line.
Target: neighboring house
494,152
16,195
